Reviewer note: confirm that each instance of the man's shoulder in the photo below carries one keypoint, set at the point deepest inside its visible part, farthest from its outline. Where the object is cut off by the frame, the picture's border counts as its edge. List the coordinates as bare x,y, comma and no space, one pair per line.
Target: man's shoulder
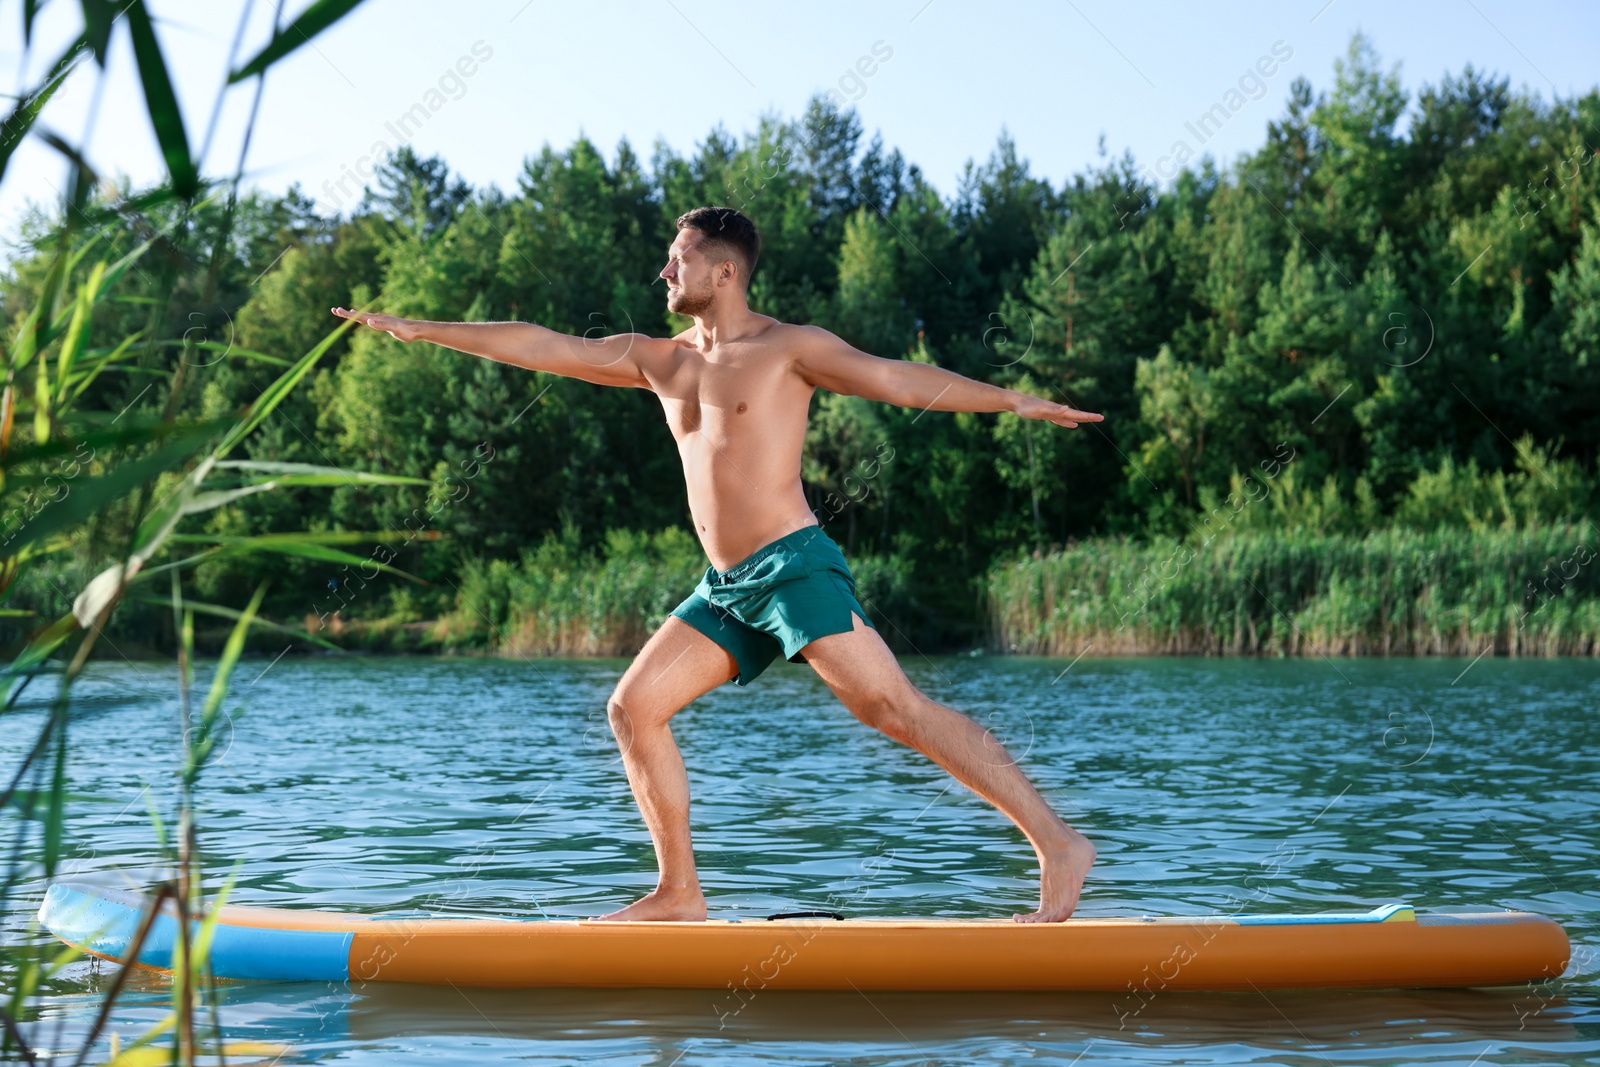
794,329
794,334
663,347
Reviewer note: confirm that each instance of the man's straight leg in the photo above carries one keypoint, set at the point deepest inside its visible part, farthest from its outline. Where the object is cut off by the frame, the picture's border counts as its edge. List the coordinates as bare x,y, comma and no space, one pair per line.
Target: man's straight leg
676,666
866,678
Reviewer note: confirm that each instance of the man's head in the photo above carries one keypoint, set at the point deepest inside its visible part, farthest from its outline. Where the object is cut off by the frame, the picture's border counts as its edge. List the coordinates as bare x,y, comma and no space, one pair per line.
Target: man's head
715,251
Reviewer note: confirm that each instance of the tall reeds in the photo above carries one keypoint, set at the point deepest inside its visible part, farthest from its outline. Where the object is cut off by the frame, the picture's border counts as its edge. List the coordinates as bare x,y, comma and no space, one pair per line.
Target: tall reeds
1446,592
561,601
120,488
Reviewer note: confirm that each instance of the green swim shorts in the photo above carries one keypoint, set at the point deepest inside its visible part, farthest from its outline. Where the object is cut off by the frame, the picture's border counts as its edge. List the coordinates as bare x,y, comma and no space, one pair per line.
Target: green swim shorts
780,598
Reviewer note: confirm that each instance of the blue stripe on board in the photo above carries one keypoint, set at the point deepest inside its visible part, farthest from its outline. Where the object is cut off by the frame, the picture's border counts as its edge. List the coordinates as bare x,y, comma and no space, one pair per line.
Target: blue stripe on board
105,922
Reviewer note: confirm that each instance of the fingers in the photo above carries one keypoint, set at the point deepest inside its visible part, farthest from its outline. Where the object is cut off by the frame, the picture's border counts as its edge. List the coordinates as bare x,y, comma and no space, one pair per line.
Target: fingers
1071,417
1062,415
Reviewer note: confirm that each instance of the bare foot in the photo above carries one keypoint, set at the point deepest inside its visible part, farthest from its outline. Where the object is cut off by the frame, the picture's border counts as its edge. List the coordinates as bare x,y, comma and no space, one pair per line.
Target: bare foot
1062,870
681,904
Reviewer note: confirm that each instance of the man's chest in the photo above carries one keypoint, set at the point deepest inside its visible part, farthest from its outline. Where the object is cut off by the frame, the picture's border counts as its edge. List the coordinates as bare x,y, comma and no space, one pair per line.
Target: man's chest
731,394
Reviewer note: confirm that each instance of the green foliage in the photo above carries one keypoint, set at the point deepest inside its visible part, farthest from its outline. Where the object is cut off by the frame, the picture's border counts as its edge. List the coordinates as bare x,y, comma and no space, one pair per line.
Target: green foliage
560,599
1393,288
869,311
86,493
310,22
1392,592
1349,382
1177,402
1542,490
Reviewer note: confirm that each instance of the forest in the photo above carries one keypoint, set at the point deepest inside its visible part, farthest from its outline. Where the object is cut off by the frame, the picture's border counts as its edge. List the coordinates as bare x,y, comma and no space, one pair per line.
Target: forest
1356,370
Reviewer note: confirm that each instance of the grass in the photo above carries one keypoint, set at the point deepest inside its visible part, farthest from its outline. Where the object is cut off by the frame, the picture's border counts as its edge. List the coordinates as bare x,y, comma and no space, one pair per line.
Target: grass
78,480
1446,592
560,601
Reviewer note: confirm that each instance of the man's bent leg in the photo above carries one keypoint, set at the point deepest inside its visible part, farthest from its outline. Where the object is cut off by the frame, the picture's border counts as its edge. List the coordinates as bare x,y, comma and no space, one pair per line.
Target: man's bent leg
864,675
677,665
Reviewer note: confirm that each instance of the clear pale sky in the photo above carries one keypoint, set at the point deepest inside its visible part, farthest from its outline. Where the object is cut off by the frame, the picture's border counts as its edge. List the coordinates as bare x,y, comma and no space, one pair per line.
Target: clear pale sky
1058,75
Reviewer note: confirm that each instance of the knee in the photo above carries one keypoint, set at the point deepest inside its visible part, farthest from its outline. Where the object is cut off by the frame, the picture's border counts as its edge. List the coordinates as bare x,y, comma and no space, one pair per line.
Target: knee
625,722
628,715
889,711
616,713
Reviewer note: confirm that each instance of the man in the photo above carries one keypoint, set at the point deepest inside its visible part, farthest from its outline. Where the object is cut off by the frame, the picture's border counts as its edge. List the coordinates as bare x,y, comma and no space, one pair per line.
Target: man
736,388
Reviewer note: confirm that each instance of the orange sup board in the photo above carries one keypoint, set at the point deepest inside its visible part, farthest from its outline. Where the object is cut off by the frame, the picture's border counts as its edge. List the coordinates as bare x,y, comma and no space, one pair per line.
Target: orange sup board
1389,947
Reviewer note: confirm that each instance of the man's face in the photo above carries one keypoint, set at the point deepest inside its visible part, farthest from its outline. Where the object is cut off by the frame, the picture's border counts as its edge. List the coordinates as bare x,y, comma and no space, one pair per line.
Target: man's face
688,275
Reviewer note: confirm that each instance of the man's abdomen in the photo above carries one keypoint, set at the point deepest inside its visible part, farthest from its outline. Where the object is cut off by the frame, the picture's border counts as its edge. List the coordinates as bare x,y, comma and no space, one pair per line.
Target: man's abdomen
742,498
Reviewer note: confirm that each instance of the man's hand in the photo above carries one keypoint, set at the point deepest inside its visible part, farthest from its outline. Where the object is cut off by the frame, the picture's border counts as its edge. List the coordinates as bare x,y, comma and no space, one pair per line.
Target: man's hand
1032,407
399,329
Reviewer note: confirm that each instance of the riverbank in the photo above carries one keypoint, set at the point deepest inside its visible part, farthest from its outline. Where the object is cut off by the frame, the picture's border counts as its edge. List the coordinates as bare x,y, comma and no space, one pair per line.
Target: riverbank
1394,592
1449,592
561,601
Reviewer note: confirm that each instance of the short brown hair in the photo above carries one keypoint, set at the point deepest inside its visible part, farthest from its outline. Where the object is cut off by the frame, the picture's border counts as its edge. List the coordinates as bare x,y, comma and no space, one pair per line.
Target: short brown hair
729,234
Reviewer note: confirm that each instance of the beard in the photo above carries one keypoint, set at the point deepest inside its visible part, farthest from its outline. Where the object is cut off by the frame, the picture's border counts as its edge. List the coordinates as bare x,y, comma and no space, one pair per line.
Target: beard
685,302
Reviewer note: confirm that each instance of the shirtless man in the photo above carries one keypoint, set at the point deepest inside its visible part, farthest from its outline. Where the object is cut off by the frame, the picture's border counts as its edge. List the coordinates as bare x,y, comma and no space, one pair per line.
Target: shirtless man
736,387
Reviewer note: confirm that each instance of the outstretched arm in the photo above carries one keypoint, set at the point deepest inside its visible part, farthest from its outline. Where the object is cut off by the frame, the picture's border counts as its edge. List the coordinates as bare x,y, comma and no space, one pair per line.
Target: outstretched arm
610,360
823,360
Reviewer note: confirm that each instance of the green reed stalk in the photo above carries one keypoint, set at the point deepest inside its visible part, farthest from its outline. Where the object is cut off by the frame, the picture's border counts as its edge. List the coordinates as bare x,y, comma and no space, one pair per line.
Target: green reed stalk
1446,592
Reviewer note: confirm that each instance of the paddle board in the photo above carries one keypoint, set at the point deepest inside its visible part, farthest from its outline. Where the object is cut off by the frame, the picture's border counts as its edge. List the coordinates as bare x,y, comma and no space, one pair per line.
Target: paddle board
1393,946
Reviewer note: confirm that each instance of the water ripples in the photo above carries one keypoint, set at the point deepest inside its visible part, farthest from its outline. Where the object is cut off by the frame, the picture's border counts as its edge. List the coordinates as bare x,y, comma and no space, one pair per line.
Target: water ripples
492,788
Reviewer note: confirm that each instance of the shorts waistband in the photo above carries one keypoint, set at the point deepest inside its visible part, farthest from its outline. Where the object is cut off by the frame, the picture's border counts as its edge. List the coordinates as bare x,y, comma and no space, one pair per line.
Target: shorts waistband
797,539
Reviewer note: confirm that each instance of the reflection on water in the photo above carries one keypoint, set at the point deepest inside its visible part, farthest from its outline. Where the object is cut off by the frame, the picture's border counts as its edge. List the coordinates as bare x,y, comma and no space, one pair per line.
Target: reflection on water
492,788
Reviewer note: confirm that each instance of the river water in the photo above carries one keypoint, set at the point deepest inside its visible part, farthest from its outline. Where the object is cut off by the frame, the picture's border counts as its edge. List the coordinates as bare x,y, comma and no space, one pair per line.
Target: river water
377,784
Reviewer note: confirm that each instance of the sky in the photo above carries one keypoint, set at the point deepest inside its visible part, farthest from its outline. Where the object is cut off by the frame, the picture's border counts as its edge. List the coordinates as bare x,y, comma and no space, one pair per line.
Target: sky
939,79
